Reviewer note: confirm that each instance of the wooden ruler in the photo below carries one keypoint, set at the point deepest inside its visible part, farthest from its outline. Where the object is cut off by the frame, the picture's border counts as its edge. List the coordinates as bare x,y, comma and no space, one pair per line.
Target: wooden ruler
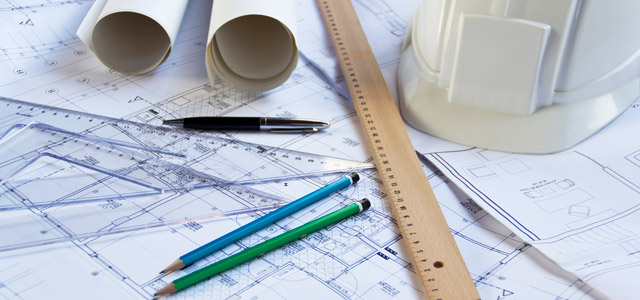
434,254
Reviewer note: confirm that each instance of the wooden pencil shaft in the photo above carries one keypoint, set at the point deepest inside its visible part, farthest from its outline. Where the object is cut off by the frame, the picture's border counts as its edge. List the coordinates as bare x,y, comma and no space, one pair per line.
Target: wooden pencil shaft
267,246
268,219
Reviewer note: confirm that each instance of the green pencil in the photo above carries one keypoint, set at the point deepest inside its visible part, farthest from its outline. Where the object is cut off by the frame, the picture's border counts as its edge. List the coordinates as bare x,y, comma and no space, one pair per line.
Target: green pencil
262,248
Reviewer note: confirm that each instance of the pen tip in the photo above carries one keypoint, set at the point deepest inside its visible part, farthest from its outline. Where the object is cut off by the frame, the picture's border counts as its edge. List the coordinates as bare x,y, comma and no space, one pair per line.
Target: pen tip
176,122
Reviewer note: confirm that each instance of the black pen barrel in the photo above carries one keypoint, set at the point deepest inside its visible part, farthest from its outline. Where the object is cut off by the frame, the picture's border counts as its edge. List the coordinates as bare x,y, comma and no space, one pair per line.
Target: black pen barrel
226,123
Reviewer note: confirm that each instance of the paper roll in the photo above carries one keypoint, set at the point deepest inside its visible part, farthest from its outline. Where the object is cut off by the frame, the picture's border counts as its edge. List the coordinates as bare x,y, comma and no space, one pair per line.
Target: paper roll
252,43
132,37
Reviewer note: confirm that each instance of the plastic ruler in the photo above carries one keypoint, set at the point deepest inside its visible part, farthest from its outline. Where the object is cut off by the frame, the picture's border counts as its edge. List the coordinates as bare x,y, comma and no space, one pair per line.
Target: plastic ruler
53,160
434,254
228,160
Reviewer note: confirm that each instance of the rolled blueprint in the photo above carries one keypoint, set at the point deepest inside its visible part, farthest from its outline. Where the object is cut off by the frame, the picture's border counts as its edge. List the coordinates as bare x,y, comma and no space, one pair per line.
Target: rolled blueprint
252,43
132,37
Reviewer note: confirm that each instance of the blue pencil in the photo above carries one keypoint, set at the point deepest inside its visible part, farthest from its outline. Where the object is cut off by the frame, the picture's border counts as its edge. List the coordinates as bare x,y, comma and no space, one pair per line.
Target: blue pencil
261,223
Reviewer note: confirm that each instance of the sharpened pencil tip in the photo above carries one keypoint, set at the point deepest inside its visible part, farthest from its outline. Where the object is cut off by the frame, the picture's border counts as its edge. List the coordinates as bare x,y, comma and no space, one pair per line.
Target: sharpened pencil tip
176,265
167,290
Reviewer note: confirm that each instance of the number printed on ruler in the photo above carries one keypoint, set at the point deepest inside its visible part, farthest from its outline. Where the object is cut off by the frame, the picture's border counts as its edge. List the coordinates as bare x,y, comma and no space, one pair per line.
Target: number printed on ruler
434,254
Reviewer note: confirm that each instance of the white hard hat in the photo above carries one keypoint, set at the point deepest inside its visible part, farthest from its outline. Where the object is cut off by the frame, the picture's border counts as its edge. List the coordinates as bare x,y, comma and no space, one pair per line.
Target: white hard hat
533,76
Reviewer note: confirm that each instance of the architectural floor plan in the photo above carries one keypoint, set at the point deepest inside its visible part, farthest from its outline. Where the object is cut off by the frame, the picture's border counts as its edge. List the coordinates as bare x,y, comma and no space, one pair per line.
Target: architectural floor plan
587,196
43,62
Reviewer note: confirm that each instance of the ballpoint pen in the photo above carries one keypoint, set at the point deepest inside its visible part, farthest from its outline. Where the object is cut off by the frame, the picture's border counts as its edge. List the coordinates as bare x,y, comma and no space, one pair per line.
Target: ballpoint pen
249,123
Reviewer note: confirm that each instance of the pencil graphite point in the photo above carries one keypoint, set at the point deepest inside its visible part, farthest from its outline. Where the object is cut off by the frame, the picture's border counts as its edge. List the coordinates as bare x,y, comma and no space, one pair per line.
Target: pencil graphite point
176,265
167,290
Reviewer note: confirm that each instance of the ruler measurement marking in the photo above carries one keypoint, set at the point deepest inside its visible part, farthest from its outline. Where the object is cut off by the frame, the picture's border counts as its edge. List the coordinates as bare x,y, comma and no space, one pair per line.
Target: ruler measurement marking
394,162
375,137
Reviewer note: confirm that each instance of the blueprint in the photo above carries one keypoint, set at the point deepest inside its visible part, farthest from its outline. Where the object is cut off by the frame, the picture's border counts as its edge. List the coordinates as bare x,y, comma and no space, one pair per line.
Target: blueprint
42,166
588,230
42,61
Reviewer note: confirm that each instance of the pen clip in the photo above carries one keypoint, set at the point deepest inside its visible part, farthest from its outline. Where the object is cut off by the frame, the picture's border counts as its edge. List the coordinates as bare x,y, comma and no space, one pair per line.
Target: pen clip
293,130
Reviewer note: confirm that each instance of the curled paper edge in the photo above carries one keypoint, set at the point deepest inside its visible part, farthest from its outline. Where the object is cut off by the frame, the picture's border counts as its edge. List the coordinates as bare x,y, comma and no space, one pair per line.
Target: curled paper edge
225,11
168,15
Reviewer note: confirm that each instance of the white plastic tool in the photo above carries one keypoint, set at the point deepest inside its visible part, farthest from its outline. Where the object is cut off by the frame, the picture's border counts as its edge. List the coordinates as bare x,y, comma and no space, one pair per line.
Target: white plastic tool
533,76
